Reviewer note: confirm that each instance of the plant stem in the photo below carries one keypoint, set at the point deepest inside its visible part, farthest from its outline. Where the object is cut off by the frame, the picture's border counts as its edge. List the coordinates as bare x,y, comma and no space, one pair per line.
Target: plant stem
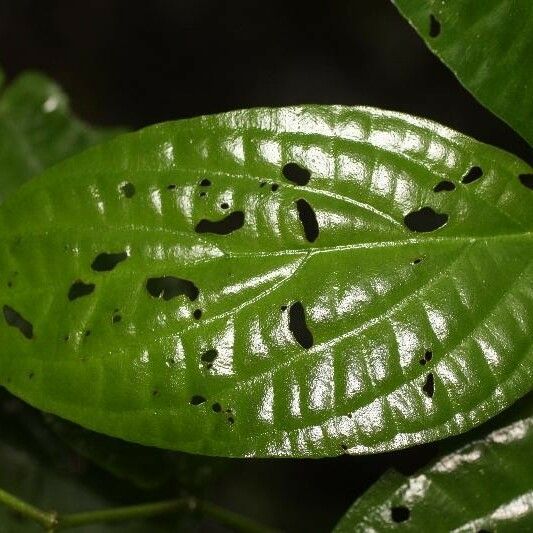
233,520
52,521
119,514
48,520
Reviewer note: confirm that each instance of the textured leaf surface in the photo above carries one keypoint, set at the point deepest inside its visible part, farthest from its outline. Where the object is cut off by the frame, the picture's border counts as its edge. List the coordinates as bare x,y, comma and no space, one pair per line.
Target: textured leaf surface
489,47
129,309
484,486
37,130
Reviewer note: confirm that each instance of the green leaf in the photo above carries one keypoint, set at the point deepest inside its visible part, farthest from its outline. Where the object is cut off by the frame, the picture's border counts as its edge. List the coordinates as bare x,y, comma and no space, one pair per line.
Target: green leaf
38,130
146,468
488,45
314,322
486,485
27,106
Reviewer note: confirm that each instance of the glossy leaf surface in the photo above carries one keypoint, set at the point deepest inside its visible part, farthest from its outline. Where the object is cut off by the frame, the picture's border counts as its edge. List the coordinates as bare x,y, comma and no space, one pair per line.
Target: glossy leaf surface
310,322
488,45
486,485
37,130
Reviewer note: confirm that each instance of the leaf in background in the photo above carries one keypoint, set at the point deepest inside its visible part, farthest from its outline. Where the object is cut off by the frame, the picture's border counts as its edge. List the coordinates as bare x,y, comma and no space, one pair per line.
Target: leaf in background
36,466
488,45
37,130
46,487
486,485
50,490
123,459
295,282
146,468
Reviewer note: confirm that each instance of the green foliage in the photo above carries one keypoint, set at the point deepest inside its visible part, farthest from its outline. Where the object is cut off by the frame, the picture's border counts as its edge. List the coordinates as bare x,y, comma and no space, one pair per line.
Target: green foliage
305,282
321,317
488,45
27,442
37,130
146,468
36,466
485,485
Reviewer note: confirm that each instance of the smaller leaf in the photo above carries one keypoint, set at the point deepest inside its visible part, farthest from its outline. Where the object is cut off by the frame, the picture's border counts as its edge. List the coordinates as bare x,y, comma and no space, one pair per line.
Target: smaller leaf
41,486
146,468
488,45
37,467
485,485
37,129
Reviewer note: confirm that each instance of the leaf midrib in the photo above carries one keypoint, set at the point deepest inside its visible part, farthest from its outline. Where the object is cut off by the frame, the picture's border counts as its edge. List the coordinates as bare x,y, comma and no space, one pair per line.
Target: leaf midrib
429,240
481,401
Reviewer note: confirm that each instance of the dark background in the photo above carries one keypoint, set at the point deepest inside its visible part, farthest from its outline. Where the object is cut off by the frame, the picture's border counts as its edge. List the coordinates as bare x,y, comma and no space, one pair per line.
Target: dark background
136,63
